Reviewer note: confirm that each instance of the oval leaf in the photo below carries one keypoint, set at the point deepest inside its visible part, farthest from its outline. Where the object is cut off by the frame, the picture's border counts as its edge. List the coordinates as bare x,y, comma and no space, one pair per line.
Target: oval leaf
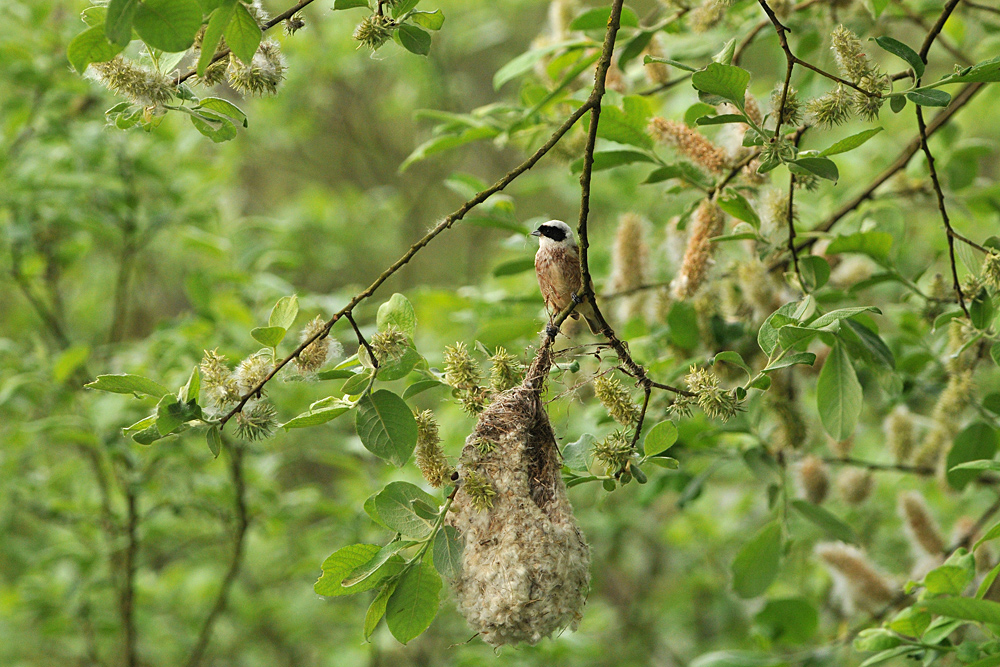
168,25
838,394
756,564
660,438
386,426
128,384
414,603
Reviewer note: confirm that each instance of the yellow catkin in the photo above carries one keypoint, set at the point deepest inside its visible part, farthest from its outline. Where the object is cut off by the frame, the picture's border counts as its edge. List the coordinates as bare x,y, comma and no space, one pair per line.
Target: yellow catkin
921,528
629,261
706,222
857,580
900,435
689,143
656,73
429,456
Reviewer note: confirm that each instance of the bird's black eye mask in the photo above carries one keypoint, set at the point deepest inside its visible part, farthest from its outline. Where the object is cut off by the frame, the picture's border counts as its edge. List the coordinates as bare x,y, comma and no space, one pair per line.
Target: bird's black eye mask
553,233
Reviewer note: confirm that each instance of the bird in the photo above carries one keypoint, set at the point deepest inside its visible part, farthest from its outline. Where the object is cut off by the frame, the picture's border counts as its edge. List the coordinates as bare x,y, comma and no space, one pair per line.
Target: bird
557,266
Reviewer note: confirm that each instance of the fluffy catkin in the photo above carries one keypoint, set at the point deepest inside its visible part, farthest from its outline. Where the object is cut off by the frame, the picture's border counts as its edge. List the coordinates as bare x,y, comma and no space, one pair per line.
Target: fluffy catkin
706,222
900,436
629,259
138,84
855,485
526,566
855,578
814,481
689,143
946,418
428,453
921,528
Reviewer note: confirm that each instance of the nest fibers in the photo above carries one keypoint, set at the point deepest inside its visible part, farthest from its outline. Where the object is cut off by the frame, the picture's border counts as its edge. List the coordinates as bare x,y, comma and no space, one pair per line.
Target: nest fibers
525,567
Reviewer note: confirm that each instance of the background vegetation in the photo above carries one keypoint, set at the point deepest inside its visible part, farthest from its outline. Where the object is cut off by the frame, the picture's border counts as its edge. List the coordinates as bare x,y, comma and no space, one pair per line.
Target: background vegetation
135,251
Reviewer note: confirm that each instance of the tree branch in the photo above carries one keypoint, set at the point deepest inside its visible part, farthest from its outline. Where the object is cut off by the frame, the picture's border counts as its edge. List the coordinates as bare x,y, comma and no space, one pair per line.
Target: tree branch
235,562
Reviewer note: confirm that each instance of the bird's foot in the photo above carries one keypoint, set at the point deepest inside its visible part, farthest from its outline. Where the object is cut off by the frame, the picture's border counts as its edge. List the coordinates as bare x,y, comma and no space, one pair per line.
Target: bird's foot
551,330
576,298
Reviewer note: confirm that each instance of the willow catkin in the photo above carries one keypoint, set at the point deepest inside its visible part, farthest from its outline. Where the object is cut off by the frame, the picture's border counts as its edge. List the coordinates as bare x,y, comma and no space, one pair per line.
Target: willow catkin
900,433
689,143
855,485
706,223
921,528
813,479
629,265
856,580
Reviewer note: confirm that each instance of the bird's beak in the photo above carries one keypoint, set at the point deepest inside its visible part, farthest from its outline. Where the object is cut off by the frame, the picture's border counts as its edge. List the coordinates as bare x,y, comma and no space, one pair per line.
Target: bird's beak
536,233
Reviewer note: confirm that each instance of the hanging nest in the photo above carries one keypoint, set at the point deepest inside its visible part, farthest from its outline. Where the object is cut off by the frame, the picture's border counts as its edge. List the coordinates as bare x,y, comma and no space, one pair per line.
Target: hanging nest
526,566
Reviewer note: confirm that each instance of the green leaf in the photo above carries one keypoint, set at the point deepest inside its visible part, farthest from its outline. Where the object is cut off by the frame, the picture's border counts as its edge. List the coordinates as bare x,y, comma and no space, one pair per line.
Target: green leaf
399,368
284,312
897,103
979,464
628,124
147,436
414,40
734,358
217,24
876,7
575,453
356,384
988,70
818,166
401,7
169,415
393,504
213,126
597,19
268,336
369,568
190,391
397,311
910,622
168,25
419,387
721,119
897,48
977,441
128,384
826,521
889,654
344,561
737,206
674,63
376,610
867,344
349,4
966,609
806,358
851,142
414,603
725,81
815,272
448,552
242,34
660,438
91,46
838,394
221,106
430,20
386,426
947,580
791,334
319,412
841,314
992,534
767,337
610,159
526,61
790,620
118,22
214,439
929,97
874,244
756,564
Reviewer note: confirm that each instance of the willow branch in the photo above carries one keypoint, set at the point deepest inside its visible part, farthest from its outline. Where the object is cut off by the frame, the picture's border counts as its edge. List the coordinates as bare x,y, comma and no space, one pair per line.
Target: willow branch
363,342
442,226
235,561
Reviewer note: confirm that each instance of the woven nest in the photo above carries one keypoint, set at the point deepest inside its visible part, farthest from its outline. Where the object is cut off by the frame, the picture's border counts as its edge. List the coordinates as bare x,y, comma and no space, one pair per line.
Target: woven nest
526,567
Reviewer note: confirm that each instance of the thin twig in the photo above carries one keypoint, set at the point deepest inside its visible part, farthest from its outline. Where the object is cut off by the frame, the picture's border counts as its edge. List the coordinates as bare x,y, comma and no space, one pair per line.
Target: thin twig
942,209
235,561
442,226
984,8
791,217
756,30
362,341
647,389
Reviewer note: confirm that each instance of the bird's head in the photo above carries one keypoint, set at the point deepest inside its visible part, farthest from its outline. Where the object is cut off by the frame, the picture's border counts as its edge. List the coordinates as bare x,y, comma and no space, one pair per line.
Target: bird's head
554,232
